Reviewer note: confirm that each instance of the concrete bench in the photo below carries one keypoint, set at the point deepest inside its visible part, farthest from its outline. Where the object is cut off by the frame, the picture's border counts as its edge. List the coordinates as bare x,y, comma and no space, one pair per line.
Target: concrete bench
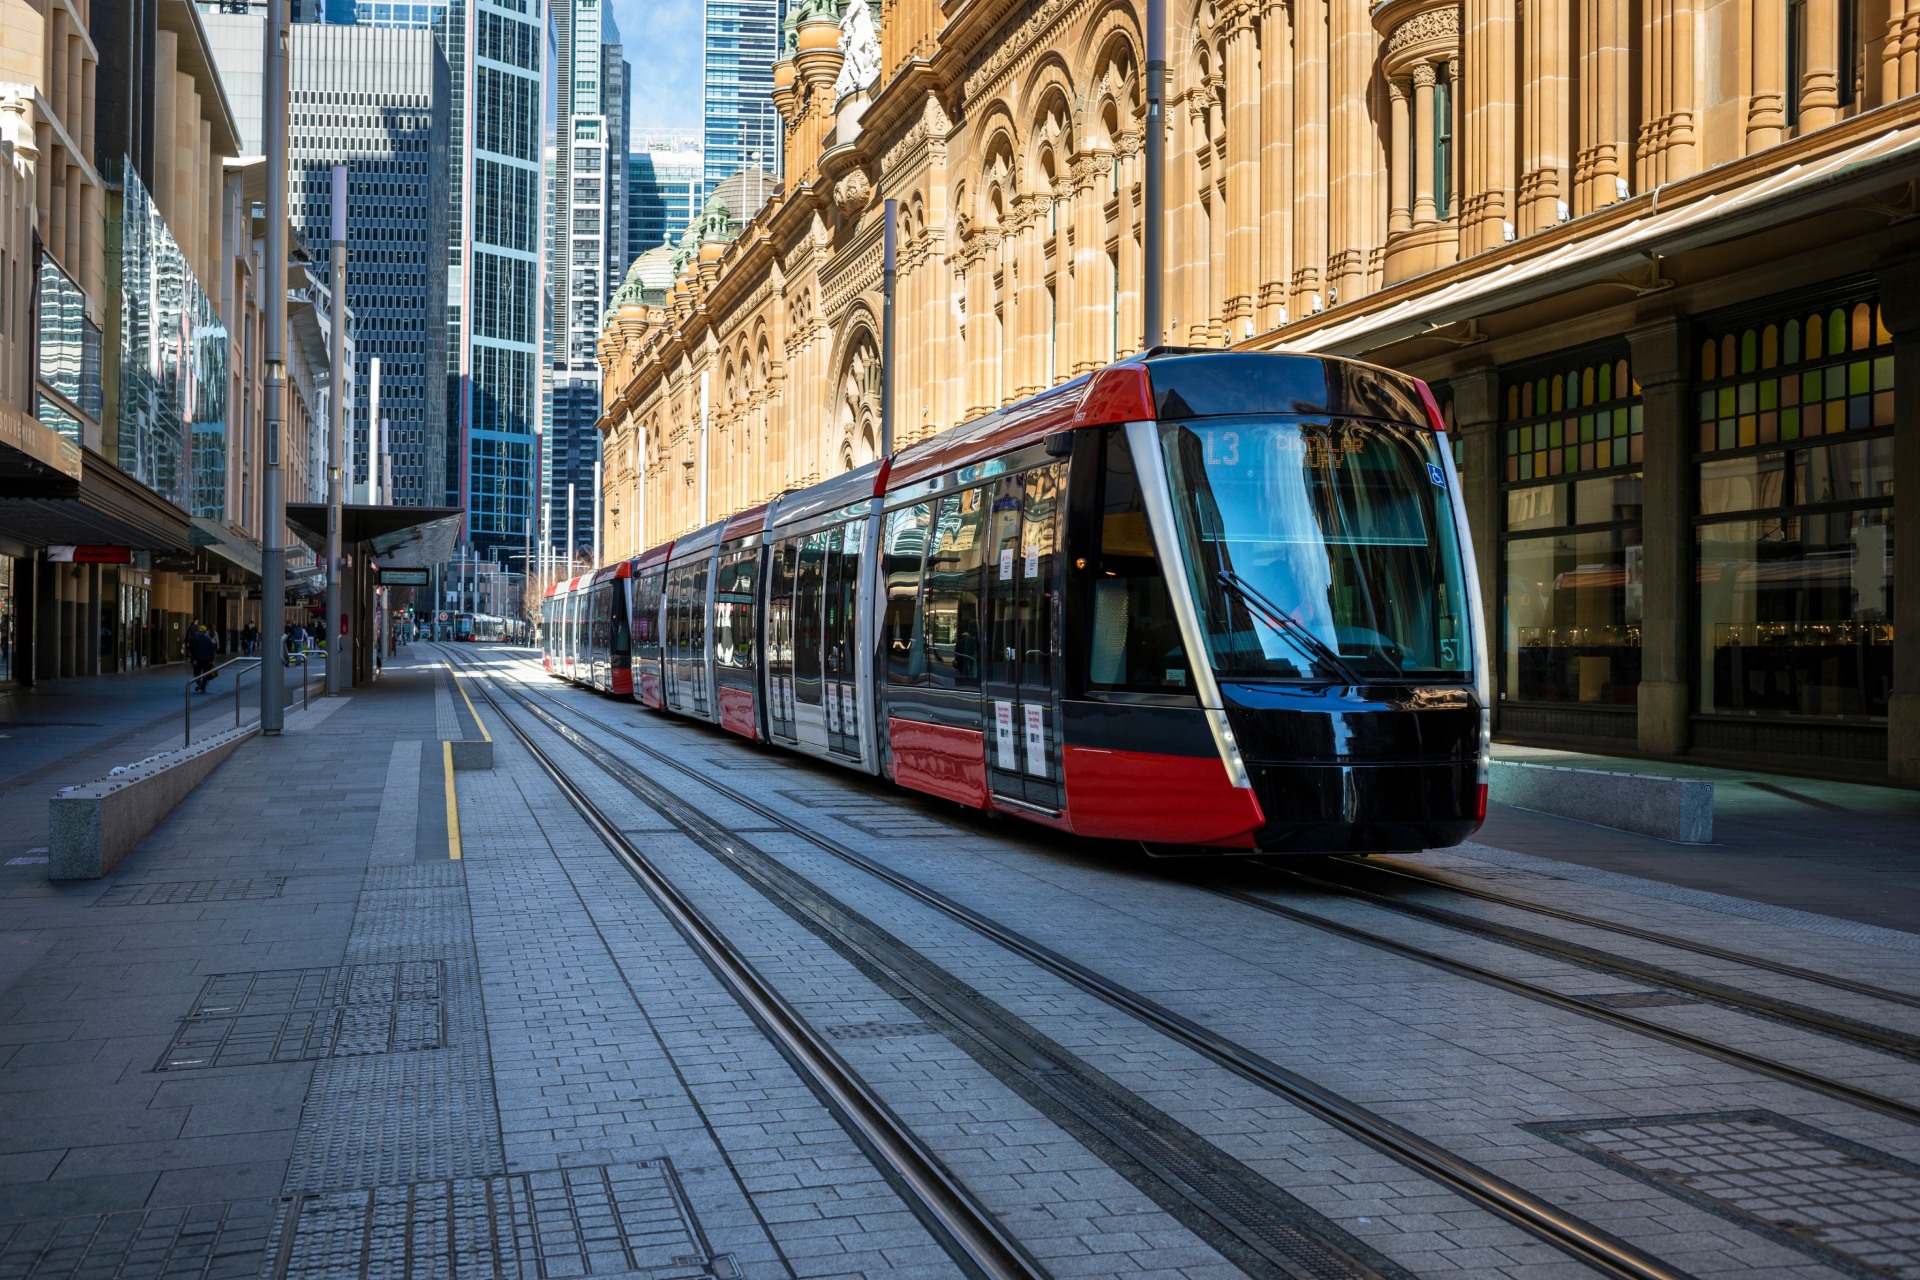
1670,808
96,824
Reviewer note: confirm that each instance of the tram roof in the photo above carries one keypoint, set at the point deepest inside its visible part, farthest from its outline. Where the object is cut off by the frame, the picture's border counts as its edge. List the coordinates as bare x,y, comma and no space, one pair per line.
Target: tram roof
752,520
657,555
608,572
690,544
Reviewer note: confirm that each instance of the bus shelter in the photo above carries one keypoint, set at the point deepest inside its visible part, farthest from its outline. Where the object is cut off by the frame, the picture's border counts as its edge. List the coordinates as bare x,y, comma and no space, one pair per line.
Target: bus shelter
394,543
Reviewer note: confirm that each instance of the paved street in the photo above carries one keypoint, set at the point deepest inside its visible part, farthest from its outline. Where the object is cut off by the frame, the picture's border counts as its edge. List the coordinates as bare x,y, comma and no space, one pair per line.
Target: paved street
294,1034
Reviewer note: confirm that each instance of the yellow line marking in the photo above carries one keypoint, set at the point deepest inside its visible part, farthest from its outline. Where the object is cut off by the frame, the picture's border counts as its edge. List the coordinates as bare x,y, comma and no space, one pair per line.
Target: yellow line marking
453,805
470,711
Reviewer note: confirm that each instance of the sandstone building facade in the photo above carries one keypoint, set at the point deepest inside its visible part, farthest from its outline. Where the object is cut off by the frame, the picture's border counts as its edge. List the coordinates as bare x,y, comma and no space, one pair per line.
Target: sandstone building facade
1654,258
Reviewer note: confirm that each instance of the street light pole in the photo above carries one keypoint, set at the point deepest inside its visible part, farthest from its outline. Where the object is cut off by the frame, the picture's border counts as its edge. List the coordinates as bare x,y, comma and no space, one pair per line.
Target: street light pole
273,540
336,429
1154,191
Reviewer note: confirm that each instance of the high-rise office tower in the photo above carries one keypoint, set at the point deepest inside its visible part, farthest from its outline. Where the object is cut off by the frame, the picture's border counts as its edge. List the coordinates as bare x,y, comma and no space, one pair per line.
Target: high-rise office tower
742,127
589,191
497,53
376,100
665,189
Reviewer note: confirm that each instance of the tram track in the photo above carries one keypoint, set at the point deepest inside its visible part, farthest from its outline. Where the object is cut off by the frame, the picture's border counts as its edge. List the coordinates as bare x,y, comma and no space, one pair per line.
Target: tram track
1540,1218
1786,1012
1427,879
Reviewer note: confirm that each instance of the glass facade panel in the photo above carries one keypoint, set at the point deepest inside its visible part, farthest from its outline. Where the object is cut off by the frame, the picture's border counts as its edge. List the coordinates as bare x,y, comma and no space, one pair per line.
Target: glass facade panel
1796,615
1573,618
69,350
1795,434
173,364
1585,417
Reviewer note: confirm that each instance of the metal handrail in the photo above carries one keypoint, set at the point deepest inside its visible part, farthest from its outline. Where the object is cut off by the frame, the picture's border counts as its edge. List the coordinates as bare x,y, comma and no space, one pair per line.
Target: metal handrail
187,690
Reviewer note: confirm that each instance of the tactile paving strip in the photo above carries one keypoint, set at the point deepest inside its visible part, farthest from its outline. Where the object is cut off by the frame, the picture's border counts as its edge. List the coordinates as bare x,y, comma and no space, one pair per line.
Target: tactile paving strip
197,1242
189,891
297,1015
877,1030
1835,1199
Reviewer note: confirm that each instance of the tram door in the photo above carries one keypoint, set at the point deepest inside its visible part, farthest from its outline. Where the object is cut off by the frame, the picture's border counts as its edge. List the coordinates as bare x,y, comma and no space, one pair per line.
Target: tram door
781,563
809,591
1023,611
840,643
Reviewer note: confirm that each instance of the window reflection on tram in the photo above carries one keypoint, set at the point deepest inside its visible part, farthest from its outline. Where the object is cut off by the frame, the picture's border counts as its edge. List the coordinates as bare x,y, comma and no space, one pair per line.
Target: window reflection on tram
1319,550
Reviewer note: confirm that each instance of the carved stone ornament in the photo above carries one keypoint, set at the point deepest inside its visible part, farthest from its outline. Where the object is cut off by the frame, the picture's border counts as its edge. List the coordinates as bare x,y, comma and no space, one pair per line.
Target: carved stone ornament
1438,26
852,194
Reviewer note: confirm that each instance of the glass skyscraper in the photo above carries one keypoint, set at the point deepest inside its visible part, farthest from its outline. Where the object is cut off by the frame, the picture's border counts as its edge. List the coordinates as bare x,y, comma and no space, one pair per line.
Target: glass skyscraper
742,127
666,187
377,101
496,52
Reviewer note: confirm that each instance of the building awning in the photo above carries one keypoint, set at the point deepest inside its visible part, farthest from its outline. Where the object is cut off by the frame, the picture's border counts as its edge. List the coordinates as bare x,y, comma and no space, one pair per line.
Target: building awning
396,537
101,506
1789,195
34,452
226,544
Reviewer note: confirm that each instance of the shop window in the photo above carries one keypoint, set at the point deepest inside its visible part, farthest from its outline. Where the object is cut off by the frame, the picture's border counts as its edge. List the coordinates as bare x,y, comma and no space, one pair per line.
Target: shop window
1571,547
1794,518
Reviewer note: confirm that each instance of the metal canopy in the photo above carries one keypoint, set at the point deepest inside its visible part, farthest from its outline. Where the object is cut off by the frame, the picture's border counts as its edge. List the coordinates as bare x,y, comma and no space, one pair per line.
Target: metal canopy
104,506
398,537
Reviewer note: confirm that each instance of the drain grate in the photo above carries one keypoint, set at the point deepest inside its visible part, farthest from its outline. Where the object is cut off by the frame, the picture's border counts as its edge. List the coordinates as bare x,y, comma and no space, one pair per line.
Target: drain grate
198,1242
298,1015
602,1220
1639,999
1845,1204
621,1219
176,891
877,1030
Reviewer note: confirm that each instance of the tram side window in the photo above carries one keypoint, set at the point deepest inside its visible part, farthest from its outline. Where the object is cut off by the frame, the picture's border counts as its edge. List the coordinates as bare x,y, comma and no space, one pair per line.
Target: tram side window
1133,641
646,616
951,605
903,542
600,629
809,585
733,610
780,608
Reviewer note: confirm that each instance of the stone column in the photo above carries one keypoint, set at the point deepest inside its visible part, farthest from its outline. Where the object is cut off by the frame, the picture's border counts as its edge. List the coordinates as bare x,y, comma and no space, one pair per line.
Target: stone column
1476,417
1820,76
1900,308
1543,80
1423,206
90,626
1487,98
1243,170
1457,122
1662,365
1605,94
1399,203
1767,70
1276,164
1309,156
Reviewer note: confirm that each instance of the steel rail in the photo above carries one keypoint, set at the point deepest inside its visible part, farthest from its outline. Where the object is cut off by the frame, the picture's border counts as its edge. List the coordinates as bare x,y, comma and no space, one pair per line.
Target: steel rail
1572,1235
1422,876
1865,1034
1575,1004
975,1238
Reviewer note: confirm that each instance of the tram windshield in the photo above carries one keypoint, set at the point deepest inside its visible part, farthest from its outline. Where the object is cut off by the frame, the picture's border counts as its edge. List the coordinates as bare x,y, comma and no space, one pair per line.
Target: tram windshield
1319,550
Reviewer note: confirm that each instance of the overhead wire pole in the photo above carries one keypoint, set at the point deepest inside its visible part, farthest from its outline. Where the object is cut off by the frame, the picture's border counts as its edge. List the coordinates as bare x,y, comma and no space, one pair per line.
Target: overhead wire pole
1154,183
336,430
273,494
889,246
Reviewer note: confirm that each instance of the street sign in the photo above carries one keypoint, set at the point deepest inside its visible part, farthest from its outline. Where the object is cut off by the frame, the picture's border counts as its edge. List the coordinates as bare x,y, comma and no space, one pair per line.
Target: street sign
403,577
198,577
69,554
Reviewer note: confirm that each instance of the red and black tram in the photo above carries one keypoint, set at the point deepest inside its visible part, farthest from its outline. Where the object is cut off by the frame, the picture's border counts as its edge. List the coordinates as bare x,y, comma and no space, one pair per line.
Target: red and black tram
1197,598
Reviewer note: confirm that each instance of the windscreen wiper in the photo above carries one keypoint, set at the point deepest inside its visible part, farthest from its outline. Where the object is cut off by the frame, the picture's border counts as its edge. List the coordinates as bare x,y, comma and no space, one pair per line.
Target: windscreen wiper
1287,625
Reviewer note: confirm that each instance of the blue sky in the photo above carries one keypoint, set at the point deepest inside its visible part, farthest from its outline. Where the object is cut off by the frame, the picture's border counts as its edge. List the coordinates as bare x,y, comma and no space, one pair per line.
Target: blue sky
662,42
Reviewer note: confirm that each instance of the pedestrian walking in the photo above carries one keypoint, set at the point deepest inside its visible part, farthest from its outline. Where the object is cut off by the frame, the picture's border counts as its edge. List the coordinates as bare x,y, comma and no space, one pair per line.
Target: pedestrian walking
201,648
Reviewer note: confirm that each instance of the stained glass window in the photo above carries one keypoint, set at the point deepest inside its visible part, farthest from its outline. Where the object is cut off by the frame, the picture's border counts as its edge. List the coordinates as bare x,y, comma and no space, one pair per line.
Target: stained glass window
1821,373
1585,417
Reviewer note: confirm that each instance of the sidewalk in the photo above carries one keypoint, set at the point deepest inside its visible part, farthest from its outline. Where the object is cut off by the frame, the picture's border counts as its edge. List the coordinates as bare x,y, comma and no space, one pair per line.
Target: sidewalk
1844,849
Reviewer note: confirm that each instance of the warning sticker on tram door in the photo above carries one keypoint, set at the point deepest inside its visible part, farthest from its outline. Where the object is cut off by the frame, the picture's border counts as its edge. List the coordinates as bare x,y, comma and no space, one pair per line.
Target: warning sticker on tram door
1003,734
1036,743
